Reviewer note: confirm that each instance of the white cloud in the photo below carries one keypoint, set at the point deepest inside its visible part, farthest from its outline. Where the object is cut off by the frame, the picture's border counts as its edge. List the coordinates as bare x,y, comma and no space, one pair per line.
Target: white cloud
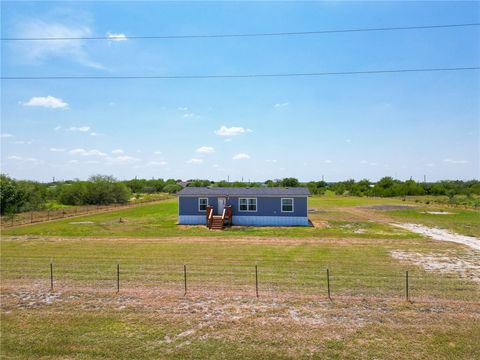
195,161
22,142
156,163
83,152
118,151
205,150
365,162
56,128
453,161
5,135
23,159
278,105
80,128
231,131
122,159
241,156
183,108
93,133
188,115
348,140
271,161
157,152
116,37
41,51
48,101
328,161
56,150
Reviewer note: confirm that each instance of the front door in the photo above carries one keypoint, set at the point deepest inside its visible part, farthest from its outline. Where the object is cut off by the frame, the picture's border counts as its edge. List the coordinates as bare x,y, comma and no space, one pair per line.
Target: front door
221,204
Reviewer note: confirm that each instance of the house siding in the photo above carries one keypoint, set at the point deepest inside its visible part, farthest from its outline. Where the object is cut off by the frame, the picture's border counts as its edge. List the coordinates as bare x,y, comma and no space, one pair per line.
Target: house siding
188,205
270,206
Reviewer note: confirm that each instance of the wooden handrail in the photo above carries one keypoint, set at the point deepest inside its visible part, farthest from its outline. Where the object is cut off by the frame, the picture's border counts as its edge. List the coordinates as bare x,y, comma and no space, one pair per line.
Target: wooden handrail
209,216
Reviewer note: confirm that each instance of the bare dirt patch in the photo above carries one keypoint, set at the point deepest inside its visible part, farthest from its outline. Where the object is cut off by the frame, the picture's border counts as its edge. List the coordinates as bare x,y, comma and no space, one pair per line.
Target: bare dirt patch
387,207
438,213
441,234
466,265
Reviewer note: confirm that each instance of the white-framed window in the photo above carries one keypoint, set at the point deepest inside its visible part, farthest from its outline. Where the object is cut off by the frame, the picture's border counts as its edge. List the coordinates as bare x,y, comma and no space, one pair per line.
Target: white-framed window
202,204
247,204
287,204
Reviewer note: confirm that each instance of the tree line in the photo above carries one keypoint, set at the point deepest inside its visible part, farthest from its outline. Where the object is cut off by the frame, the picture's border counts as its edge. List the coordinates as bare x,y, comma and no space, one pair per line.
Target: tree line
24,195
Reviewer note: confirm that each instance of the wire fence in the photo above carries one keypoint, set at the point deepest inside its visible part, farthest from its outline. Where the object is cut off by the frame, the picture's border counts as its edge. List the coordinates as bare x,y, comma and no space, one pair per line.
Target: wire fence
243,278
33,217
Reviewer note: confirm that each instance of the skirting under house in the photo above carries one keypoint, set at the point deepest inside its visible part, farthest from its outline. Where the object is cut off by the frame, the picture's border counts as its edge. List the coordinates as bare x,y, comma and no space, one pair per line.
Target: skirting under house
249,220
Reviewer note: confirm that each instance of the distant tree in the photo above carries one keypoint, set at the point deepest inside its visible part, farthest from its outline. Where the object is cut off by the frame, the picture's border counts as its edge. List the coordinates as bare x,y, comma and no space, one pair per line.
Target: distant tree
200,183
222,183
290,182
35,195
384,187
12,197
103,189
73,194
172,188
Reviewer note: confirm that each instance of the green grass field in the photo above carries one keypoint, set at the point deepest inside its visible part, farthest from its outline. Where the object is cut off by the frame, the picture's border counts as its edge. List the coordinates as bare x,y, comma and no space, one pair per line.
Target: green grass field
221,317
159,220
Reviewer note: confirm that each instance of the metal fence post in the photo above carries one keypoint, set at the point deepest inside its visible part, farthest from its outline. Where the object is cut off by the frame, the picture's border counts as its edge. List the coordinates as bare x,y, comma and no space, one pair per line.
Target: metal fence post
328,285
118,278
51,276
256,280
185,278
406,286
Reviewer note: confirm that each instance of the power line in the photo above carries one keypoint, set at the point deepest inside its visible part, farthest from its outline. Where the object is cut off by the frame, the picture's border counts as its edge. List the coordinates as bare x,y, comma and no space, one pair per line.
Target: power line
118,37
232,76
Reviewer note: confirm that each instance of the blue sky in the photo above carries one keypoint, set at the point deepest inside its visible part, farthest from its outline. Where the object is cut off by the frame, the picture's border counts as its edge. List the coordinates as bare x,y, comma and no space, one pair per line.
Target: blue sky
339,127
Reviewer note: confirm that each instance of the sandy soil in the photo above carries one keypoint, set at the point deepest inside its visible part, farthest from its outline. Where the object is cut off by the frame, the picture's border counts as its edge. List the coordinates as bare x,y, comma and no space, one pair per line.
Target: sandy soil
438,213
466,265
442,235
387,207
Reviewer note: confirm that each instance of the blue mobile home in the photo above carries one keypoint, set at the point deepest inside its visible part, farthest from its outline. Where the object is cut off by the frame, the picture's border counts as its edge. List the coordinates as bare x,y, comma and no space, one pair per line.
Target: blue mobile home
247,206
